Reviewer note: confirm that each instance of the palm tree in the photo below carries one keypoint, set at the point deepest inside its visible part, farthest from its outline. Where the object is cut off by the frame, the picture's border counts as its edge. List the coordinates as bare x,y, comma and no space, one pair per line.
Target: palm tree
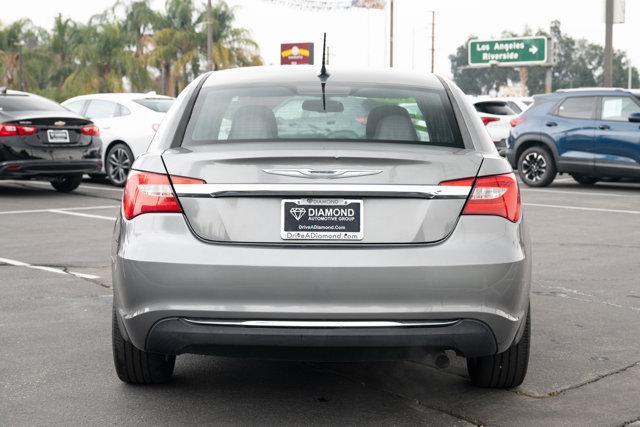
176,46
12,40
139,22
163,55
104,58
21,55
129,43
63,41
232,46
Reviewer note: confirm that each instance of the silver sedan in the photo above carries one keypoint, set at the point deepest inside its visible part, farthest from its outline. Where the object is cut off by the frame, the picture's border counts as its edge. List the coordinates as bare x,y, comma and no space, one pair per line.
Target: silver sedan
360,213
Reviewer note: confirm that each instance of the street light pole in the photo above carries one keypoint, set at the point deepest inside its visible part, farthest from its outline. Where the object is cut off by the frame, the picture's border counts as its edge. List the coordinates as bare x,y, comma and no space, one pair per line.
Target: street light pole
433,39
413,49
209,37
391,34
608,44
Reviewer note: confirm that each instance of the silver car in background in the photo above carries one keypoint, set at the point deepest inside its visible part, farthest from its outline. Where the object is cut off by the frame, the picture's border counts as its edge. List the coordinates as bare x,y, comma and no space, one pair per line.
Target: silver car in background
389,229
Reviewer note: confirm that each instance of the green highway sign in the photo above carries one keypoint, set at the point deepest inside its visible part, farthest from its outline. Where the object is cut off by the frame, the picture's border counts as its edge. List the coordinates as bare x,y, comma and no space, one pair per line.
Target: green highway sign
508,52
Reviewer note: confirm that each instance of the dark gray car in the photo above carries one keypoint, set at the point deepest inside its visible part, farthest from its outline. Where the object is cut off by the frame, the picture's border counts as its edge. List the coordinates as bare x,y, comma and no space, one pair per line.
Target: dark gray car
398,237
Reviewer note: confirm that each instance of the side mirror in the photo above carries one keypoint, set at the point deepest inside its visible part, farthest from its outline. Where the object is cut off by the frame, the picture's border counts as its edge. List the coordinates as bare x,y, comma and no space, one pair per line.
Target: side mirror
634,117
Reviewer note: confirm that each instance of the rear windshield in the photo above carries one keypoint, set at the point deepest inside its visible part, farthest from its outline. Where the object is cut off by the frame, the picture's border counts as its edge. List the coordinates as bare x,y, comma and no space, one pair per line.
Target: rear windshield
497,108
348,112
28,103
161,105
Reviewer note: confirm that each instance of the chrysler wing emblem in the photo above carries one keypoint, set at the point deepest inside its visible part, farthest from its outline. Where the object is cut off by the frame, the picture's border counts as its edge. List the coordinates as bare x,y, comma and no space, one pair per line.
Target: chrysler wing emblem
322,174
59,123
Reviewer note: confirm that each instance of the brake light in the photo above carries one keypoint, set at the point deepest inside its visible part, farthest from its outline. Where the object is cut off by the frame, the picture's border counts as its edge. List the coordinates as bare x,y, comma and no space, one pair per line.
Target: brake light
516,121
486,120
90,130
147,192
492,195
26,130
14,130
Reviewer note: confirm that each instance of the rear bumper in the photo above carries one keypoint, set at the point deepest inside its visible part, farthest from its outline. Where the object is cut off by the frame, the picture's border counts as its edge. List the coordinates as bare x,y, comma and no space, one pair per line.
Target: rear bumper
178,335
481,273
16,169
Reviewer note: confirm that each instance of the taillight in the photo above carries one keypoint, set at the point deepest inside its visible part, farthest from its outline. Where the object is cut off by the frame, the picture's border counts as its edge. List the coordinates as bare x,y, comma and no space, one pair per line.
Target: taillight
516,121
486,120
147,192
14,130
492,195
155,127
26,130
90,130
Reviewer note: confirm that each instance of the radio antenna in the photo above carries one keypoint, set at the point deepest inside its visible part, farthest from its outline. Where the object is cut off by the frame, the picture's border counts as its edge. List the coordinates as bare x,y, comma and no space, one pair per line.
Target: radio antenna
323,72
323,69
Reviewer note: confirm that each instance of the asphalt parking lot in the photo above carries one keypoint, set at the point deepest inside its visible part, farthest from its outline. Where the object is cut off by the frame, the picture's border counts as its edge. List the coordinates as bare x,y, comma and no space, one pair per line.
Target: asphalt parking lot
55,307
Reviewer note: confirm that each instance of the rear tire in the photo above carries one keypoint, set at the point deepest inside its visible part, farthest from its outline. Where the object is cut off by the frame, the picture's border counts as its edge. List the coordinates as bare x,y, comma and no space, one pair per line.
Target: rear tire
506,369
536,166
135,366
585,179
67,183
118,163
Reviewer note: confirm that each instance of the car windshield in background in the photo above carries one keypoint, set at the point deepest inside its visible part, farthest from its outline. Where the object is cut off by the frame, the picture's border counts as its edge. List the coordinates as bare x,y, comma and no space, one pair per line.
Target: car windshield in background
497,108
348,112
160,105
28,103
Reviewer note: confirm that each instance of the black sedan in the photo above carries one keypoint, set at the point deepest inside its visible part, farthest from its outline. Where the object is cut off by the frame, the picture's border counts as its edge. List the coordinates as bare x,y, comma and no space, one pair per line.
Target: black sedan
40,139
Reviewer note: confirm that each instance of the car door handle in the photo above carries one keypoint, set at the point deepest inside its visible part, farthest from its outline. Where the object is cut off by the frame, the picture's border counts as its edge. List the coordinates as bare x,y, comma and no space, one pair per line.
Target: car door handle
551,124
604,127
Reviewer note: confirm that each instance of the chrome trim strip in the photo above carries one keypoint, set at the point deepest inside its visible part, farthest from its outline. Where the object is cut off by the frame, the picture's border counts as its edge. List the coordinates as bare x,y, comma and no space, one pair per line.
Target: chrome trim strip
322,323
322,174
356,190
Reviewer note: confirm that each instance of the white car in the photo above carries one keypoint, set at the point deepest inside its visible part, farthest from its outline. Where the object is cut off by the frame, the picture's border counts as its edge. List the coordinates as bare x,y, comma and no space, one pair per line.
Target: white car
519,103
127,122
496,114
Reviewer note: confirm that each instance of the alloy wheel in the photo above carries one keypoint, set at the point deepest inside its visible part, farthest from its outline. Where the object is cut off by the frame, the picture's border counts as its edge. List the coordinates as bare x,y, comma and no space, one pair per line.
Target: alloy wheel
119,163
534,166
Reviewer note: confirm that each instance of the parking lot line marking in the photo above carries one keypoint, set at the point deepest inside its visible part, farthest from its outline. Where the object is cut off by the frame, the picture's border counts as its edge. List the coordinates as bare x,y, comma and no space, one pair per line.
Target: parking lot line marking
93,187
84,275
583,208
90,187
79,208
49,269
109,218
579,193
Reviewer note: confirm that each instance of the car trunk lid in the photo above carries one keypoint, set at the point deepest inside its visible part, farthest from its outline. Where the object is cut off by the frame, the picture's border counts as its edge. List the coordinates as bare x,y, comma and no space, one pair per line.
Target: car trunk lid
65,129
251,187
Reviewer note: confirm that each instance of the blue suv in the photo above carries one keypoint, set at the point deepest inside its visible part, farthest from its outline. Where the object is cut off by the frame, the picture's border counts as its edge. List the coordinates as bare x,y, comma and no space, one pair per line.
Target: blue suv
588,133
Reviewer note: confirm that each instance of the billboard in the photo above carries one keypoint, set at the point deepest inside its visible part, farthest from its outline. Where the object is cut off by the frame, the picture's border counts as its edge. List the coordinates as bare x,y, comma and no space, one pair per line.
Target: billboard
296,53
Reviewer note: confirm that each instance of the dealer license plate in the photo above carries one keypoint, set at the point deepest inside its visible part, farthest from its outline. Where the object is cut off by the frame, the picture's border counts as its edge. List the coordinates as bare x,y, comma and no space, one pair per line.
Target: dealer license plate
321,219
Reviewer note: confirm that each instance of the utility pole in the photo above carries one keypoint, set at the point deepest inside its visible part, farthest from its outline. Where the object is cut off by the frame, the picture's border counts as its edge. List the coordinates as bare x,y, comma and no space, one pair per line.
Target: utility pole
548,79
209,37
20,65
391,33
524,78
433,39
608,44
629,82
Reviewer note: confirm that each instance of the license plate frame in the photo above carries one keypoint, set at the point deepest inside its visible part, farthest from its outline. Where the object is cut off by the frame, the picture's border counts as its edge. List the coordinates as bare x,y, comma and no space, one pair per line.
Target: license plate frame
314,219
58,136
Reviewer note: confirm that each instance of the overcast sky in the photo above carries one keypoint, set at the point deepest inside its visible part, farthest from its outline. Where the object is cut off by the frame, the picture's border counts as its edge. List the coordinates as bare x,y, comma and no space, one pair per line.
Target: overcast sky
360,38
